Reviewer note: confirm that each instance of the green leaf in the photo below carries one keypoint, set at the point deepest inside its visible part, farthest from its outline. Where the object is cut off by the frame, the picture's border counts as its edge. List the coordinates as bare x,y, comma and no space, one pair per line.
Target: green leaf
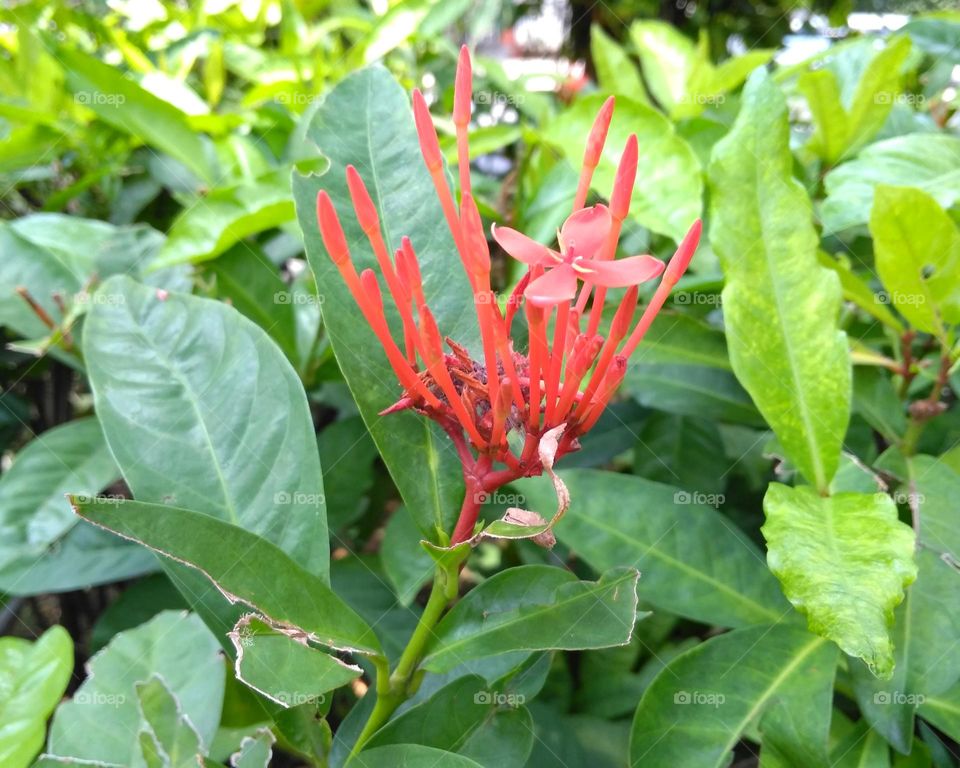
936,487
33,677
669,186
844,562
126,106
209,225
943,711
255,751
246,278
284,669
167,738
930,162
780,307
698,707
160,367
926,626
857,291
876,400
862,748
411,756
102,720
917,254
366,121
690,390
235,560
841,130
347,454
454,719
536,607
681,451
616,72
50,253
43,546
695,562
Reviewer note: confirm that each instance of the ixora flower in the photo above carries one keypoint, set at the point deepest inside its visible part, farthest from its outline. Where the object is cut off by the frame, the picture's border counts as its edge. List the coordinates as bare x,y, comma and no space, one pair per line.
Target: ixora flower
544,399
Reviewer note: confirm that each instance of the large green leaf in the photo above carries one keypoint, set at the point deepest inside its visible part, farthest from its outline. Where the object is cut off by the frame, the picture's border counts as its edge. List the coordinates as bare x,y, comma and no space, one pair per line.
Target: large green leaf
843,128
779,305
536,607
698,707
245,567
366,121
917,254
930,162
201,410
226,215
937,488
694,562
166,737
33,677
127,106
42,547
844,561
669,183
102,720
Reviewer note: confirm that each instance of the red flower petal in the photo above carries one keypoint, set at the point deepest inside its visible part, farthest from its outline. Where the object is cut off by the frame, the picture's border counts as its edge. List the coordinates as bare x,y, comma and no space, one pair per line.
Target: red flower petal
622,272
556,285
521,247
586,230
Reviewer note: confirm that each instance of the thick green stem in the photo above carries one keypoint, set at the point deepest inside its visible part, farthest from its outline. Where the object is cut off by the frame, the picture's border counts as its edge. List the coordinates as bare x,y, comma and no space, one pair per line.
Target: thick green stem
395,688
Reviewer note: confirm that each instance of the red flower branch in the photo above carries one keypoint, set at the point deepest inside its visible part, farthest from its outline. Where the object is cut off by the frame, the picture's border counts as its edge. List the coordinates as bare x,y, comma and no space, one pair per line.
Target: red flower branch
553,394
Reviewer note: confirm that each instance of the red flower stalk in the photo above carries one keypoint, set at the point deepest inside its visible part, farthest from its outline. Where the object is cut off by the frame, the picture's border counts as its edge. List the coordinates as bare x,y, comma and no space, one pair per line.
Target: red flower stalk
538,396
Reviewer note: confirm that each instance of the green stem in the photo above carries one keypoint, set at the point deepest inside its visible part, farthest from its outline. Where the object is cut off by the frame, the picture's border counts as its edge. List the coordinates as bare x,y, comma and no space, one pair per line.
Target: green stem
395,688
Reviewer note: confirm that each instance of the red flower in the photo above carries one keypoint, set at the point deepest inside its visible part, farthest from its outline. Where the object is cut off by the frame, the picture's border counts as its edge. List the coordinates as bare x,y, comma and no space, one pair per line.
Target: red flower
540,395
581,239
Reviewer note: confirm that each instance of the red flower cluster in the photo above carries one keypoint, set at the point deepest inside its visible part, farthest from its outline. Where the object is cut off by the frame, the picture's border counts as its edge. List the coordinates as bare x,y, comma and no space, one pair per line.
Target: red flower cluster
569,374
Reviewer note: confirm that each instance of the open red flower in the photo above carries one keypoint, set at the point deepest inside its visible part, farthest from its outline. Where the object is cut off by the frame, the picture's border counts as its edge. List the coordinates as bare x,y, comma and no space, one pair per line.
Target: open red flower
581,256
553,394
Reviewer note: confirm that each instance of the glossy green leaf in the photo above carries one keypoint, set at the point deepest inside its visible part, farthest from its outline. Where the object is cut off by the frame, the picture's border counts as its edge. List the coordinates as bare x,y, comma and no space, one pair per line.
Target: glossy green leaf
694,562
347,455
127,106
843,561
535,607
936,488
698,707
690,390
683,451
284,669
669,183
43,546
225,216
454,719
917,255
102,720
163,367
411,756
863,748
616,72
780,307
366,121
235,560
33,677
930,162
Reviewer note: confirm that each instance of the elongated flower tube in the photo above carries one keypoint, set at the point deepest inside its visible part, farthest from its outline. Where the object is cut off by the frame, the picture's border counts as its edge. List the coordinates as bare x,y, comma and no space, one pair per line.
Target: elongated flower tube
510,413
